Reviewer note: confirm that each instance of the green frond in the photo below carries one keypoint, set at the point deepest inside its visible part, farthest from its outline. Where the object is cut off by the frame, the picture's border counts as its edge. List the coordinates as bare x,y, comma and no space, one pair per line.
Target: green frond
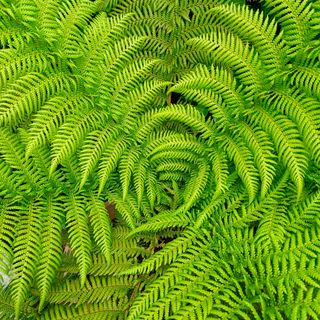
14,65
47,20
165,220
50,253
185,114
306,76
303,244
204,80
109,310
25,252
220,170
260,30
163,257
256,210
28,93
9,217
304,214
155,300
262,150
101,224
271,230
72,14
152,189
113,61
78,232
93,147
101,33
124,209
139,176
10,183
175,141
110,158
96,290
304,111
294,18
287,141
174,165
225,48
140,99
214,206
50,117
126,167
71,134
12,151
244,164
7,307
131,75
184,155
196,185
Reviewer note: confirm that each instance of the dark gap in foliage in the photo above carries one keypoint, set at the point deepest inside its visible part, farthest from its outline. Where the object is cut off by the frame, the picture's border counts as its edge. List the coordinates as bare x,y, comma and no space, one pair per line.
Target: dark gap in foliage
95,14
175,97
191,14
278,29
254,4
111,208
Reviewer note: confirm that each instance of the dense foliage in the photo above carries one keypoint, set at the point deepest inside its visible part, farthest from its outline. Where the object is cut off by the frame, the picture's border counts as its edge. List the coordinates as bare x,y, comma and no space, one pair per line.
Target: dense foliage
159,159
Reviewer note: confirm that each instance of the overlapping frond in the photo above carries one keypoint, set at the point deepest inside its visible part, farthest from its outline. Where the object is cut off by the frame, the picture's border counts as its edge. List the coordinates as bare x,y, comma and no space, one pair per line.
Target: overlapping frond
159,159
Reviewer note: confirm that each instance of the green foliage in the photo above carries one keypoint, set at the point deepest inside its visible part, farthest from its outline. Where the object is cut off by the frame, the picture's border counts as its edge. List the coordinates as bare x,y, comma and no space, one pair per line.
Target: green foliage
159,159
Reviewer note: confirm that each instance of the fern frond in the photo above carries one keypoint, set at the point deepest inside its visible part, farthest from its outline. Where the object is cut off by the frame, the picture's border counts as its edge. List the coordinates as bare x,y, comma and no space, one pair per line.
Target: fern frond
206,80
271,230
28,93
9,217
287,142
101,224
186,114
163,257
14,65
139,176
96,290
50,117
124,209
71,134
93,147
220,170
256,28
72,14
304,214
165,220
109,310
78,231
215,205
304,112
294,18
109,160
225,48
262,149
243,161
101,33
196,185
126,166
12,151
25,252
154,300
306,75
50,254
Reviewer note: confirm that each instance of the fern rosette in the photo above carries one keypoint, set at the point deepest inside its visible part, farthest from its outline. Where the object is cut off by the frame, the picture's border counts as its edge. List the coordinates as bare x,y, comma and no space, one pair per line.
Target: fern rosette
159,159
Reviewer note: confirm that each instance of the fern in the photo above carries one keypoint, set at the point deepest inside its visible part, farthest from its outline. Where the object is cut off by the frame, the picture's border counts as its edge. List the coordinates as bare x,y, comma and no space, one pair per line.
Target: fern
159,159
